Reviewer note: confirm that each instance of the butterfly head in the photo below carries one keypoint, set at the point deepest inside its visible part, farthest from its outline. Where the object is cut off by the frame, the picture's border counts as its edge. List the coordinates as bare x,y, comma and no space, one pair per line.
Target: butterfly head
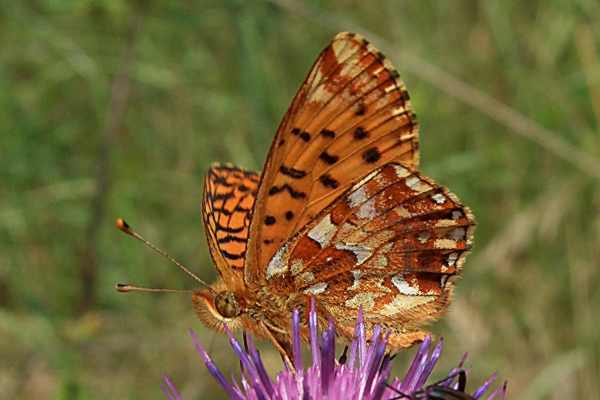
216,306
227,305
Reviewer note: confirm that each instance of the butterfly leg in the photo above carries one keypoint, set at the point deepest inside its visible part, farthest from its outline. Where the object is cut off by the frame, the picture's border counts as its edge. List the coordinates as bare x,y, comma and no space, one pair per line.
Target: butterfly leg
283,347
462,380
401,395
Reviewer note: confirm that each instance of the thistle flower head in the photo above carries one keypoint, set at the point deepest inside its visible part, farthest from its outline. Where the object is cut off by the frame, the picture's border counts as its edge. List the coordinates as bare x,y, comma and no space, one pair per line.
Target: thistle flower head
362,372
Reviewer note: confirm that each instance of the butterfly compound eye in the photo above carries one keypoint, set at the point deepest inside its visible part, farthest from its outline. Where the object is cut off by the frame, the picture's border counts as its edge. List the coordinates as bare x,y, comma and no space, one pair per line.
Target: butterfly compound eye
227,305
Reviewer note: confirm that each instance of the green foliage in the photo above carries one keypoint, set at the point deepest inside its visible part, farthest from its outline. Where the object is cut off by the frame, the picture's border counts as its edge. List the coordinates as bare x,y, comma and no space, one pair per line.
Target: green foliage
208,81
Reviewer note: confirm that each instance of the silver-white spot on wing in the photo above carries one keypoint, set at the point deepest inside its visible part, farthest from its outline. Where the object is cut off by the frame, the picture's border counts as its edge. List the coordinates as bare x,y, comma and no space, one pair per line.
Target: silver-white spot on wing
403,286
457,234
452,257
367,210
360,252
417,185
439,198
277,266
323,231
357,274
317,288
357,197
297,266
403,303
364,299
401,172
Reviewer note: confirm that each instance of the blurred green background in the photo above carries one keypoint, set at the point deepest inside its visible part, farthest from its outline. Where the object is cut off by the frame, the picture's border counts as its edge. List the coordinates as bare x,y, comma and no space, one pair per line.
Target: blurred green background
116,108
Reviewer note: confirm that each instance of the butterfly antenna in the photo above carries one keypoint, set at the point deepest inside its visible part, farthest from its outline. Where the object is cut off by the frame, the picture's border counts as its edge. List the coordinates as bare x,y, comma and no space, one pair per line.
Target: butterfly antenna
126,228
126,287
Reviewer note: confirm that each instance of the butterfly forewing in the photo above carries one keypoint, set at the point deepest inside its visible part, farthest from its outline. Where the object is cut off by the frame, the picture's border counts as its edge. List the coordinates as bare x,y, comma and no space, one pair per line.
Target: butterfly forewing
351,116
229,197
388,245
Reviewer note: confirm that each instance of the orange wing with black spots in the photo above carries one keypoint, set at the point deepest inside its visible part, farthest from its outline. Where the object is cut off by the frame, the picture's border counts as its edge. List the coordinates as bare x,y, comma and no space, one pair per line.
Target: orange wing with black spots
351,115
229,197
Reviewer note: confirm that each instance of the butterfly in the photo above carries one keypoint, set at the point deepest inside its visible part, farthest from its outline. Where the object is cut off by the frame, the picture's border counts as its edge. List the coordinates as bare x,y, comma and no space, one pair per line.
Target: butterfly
339,212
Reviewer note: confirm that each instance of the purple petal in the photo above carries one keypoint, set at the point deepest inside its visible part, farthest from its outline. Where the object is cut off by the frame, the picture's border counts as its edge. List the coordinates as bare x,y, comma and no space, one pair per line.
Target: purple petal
412,372
360,336
169,389
380,384
437,351
327,356
352,354
296,348
483,388
212,368
260,368
378,361
499,391
314,338
377,353
454,370
246,362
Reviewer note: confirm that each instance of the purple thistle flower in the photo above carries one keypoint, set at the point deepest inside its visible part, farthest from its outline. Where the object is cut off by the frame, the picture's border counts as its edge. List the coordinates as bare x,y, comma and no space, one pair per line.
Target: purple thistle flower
363,375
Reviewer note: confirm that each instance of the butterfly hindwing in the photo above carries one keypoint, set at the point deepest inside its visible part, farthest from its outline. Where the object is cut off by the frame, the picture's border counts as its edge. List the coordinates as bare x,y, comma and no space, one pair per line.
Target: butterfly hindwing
351,115
390,245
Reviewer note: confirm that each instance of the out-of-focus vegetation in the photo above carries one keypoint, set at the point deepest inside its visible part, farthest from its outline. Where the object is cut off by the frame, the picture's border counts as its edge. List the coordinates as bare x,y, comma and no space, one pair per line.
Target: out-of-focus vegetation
116,108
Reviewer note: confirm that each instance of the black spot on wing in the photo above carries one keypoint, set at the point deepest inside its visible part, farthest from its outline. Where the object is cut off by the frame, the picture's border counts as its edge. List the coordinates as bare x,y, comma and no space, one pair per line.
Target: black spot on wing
328,158
371,155
285,187
327,133
361,109
305,136
301,134
292,172
327,181
360,133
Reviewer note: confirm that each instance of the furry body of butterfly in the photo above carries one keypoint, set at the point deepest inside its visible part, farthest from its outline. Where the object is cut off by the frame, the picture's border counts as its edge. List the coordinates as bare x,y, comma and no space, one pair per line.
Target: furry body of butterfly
340,212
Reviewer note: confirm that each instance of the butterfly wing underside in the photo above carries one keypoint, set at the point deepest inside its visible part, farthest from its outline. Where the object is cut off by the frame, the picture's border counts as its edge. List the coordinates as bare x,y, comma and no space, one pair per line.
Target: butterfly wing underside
390,245
340,212
229,197
351,115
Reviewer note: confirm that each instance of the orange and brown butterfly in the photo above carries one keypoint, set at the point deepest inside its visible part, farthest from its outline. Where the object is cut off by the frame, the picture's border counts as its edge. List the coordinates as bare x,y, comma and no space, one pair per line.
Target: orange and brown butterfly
339,213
